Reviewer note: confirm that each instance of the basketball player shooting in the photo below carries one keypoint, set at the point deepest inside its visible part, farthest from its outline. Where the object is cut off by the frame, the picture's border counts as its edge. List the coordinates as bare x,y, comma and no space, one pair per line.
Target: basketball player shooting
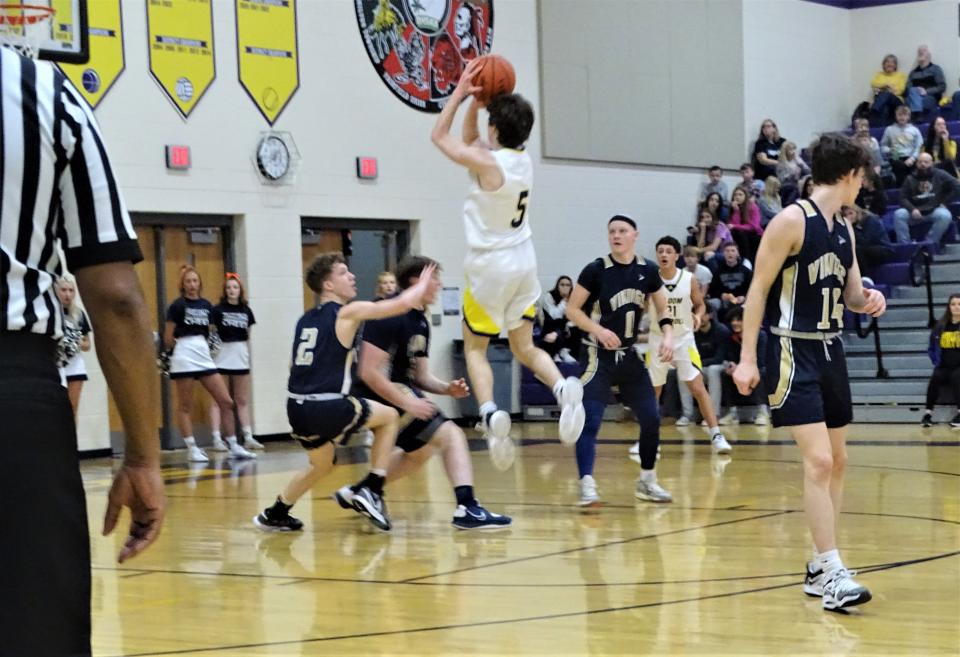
501,266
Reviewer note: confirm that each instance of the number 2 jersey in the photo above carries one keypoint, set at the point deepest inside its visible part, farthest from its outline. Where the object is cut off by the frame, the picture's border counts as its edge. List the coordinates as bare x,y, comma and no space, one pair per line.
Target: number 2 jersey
618,294
499,219
807,296
319,363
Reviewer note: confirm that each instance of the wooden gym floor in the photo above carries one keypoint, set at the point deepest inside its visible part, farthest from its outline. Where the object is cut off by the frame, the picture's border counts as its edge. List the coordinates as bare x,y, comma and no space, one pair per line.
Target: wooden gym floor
716,572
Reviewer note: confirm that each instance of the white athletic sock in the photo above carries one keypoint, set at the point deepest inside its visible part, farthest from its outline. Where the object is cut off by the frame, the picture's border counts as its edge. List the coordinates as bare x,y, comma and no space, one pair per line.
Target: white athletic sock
714,431
486,408
648,476
216,435
380,472
830,561
232,441
190,441
558,389
247,433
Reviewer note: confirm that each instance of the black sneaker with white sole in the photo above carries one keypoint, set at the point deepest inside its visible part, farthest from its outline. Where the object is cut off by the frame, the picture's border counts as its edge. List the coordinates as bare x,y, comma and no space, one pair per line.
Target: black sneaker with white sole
285,523
475,516
371,505
927,420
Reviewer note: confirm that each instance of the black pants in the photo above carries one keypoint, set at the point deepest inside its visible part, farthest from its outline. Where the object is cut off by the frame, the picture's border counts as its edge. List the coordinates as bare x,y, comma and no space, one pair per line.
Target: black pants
748,242
941,377
44,544
900,170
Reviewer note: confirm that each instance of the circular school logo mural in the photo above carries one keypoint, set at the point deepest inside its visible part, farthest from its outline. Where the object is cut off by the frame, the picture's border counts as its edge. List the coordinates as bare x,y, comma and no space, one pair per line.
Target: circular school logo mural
420,47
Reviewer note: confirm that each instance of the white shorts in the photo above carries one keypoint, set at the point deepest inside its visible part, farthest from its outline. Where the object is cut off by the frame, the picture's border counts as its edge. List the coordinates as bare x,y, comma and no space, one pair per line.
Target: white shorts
233,358
686,360
75,369
502,288
191,358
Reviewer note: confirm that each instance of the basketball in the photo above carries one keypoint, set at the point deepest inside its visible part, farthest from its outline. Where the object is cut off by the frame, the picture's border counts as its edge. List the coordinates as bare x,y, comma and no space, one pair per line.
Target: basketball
495,77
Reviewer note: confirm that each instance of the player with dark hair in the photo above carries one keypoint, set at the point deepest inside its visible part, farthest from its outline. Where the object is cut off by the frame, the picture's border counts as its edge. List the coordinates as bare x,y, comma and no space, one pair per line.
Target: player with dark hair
615,289
806,270
320,408
394,370
501,265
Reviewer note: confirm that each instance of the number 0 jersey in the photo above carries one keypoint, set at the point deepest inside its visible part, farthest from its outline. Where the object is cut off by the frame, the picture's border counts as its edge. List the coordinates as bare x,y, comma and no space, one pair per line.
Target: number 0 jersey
319,362
499,219
617,295
807,296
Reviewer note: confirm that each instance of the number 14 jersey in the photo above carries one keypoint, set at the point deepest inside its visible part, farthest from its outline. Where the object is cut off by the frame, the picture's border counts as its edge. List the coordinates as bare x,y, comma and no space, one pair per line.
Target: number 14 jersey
499,219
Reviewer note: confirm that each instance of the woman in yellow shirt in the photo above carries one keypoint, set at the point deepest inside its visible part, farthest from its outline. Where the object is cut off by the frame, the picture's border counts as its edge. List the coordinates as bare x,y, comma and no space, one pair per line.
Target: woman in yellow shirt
941,147
888,86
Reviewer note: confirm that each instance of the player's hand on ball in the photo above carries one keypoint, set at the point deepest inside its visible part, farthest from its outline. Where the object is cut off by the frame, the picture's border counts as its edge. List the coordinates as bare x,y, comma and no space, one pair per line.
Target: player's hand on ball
465,86
608,339
458,389
876,303
746,376
422,409
665,352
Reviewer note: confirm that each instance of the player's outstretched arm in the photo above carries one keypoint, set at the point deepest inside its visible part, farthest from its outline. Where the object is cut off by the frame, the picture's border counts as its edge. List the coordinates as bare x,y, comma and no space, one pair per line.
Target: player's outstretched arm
783,237
855,296
353,314
477,158
428,382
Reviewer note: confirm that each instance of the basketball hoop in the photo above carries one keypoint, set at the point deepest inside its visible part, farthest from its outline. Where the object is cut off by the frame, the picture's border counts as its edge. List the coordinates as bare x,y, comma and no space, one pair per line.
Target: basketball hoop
25,27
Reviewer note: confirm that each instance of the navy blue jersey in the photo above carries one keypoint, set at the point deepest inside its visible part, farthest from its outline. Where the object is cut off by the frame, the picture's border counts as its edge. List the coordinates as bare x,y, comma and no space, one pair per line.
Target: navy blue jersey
192,317
618,293
319,362
233,321
807,296
404,337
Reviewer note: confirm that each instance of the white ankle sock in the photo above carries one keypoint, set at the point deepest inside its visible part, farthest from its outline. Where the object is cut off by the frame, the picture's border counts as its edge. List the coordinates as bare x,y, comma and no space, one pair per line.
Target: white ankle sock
247,433
558,389
190,441
830,561
216,435
714,430
486,408
648,476
232,441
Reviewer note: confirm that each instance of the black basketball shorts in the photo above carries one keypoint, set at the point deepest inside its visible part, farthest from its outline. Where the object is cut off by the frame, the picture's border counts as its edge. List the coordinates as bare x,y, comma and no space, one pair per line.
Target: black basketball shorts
806,382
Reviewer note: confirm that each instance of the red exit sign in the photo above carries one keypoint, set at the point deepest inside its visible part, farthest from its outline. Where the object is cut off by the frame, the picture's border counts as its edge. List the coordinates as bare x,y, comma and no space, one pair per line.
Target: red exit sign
178,157
367,168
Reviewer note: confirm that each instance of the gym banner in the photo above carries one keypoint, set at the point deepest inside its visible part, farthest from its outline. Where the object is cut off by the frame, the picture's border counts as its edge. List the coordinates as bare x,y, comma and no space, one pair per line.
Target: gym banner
419,48
95,78
267,56
181,49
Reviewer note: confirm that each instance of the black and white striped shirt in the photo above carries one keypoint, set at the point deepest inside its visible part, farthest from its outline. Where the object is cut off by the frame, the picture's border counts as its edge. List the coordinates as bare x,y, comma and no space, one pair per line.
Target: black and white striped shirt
56,184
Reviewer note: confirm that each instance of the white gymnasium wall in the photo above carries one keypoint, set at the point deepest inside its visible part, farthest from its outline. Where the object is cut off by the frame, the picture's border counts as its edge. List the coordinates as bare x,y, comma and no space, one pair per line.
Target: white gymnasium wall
899,29
342,110
796,68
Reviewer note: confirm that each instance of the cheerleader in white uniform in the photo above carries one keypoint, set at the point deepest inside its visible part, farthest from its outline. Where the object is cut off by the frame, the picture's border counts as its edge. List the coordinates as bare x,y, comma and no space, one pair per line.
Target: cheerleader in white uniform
76,329
187,331
232,318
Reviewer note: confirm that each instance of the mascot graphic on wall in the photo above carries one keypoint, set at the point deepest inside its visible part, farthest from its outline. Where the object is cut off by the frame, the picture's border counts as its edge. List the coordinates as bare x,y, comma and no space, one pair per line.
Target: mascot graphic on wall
419,48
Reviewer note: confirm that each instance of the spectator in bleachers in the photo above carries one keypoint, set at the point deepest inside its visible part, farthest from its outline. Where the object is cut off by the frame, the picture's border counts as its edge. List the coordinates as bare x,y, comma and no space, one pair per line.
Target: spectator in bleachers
386,286
873,245
790,169
941,147
703,274
745,222
926,84
557,338
714,184
731,280
769,201
748,181
711,337
757,398
945,355
889,85
923,197
901,144
872,196
709,233
766,150
806,187
717,205
861,135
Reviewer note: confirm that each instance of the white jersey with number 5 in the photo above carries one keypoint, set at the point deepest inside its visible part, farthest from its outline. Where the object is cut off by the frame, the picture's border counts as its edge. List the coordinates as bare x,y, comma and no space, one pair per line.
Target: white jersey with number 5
499,219
679,303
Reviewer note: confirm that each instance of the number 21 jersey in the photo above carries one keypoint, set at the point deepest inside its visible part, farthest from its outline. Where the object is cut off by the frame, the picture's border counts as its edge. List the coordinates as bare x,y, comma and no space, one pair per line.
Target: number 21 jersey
499,219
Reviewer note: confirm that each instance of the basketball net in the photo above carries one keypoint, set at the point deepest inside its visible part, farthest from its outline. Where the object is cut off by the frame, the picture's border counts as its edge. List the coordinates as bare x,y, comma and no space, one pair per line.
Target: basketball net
25,27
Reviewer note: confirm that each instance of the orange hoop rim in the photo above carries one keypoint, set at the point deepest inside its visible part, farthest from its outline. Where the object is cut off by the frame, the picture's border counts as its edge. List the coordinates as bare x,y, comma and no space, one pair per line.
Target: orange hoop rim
29,14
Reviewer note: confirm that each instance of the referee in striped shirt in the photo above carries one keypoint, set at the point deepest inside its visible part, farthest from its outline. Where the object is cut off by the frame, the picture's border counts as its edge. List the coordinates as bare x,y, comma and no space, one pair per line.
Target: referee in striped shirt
57,189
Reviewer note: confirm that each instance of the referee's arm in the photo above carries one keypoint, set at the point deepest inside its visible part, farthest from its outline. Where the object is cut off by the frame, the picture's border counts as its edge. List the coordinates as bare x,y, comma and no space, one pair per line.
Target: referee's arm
101,248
